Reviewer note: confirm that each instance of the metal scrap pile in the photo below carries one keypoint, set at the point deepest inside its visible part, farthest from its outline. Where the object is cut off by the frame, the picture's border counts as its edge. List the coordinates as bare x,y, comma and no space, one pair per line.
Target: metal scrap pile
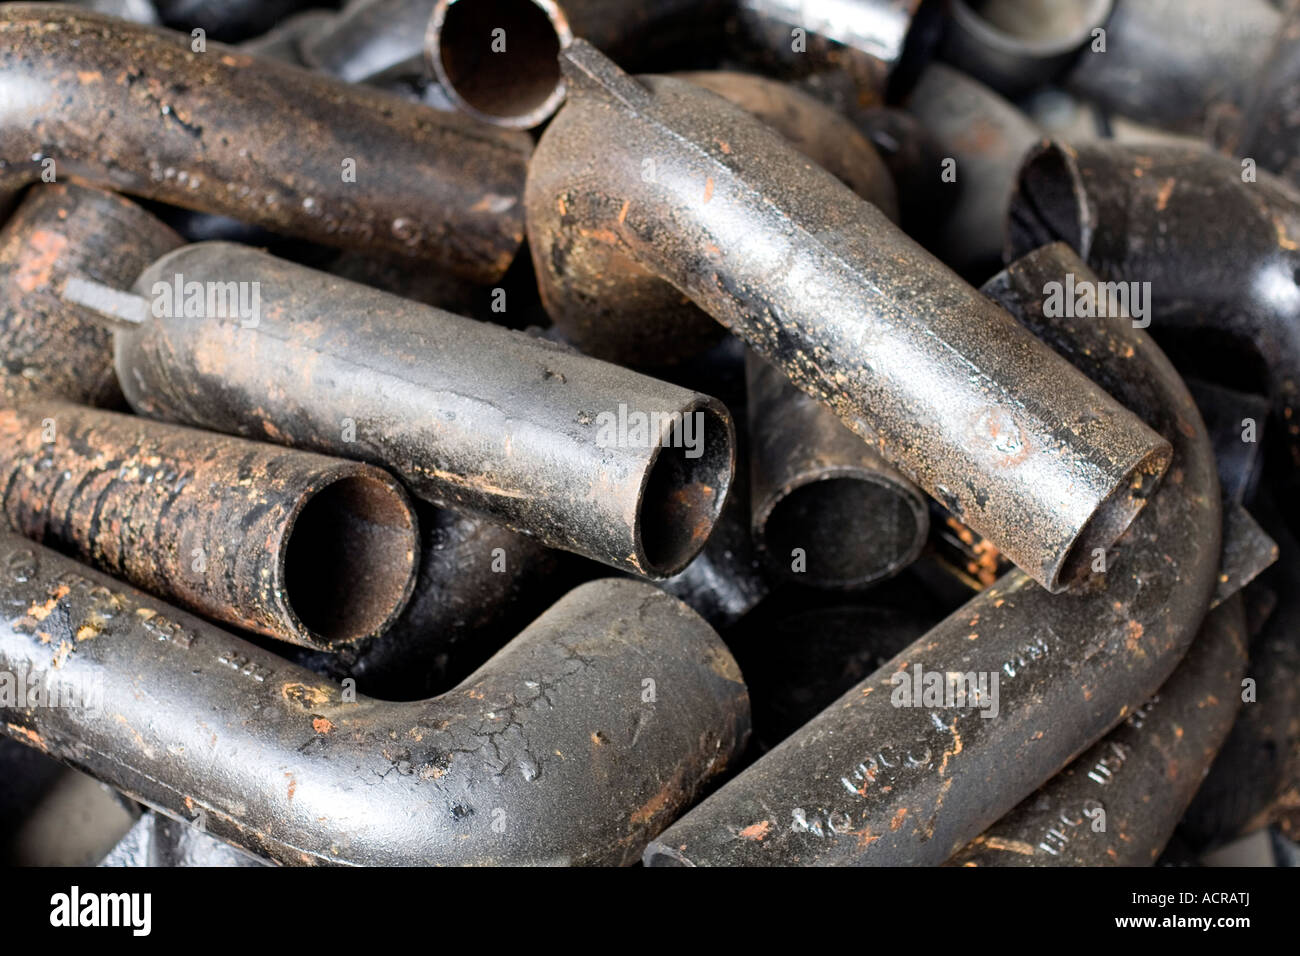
697,432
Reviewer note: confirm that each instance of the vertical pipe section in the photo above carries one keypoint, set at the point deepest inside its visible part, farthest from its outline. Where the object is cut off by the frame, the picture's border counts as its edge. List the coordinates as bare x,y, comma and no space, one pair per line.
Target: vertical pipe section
953,393
304,548
889,774
575,744
818,488
587,456
219,131
63,231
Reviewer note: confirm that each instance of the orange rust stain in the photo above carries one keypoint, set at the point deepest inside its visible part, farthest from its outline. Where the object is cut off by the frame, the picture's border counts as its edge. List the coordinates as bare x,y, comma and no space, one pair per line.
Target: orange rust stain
724,146
654,805
866,838
756,831
41,611
31,736
293,785
897,821
37,267
1133,630
89,76
321,725
622,213
1166,190
708,189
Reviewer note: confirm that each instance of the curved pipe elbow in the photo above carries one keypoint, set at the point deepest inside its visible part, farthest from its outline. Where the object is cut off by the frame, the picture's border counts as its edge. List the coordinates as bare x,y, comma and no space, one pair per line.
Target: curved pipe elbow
220,131
881,778
1221,254
575,744
952,392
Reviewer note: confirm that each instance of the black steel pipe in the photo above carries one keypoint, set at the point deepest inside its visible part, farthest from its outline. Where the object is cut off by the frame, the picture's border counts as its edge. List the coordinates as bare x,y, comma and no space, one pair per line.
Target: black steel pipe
1185,65
1270,125
1119,802
877,779
986,138
1015,46
575,744
1222,256
59,232
220,131
370,38
825,508
587,456
952,391
312,550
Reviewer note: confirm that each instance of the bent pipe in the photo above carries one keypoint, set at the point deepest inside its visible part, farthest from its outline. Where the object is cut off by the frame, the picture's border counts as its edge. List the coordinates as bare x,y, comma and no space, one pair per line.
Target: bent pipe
370,38
614,307
1118,803
62,231
819,489
496,59
868,782
479,584
987,137
1015,46
573,745
587,456
222,132
312,550
1183,65
1222,256
953,393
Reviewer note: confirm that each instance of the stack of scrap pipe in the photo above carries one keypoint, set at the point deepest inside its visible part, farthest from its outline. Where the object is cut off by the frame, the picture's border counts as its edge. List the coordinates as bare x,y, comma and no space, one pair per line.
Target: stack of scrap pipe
689,432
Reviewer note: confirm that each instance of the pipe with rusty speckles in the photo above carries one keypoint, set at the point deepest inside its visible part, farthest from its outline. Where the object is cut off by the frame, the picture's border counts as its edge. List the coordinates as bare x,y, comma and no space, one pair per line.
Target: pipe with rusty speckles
1118,803
60,231
1222,255
312,550
869,782
136,109
957,396
614,307
818,488
575,744
587,456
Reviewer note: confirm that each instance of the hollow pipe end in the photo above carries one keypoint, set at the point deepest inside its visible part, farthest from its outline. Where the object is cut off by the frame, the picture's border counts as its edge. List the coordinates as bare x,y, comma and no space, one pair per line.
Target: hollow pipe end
348,558
499,61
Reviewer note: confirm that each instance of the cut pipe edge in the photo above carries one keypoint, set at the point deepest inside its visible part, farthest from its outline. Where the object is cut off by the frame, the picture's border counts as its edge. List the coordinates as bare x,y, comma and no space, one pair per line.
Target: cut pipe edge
283,763
524,85
574,459
774,247
871,782
316,551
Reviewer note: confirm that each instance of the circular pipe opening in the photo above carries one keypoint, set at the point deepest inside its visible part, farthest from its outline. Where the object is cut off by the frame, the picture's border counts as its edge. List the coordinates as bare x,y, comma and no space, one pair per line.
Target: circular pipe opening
1111,518
853,529
498,60
685,489
350,559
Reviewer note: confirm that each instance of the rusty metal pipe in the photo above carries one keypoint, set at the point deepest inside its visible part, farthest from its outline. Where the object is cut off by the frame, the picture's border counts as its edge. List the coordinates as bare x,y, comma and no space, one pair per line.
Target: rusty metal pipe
586,456
1140,777
950,389
312,550
1185,65
1222,256
817,487
496,59
575,744
868,782
222,132
614,307
49,346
